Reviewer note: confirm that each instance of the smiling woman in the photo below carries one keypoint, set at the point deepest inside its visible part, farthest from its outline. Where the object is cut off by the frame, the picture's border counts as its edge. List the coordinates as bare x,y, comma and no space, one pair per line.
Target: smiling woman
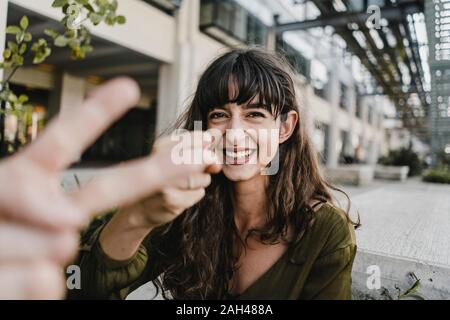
252,233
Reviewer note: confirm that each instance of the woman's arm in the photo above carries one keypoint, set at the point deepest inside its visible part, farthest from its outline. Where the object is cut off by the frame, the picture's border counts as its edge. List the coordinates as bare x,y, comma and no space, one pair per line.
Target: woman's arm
122,236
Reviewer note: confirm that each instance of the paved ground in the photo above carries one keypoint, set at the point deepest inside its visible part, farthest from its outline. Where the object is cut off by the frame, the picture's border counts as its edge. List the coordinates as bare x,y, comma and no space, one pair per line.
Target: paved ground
406,229
410,219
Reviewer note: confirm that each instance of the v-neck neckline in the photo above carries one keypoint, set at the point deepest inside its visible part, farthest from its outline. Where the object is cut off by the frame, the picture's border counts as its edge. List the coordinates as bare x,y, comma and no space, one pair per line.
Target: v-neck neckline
271,268
262,276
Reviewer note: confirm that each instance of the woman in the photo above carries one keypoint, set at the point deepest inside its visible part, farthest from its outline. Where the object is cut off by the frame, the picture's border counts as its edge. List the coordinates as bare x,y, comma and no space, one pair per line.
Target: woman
265,228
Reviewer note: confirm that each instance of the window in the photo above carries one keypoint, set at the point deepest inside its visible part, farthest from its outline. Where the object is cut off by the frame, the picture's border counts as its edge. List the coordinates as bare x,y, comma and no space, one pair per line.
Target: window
301,64
321,137
319,78
370,115
346,152
343,98
230,23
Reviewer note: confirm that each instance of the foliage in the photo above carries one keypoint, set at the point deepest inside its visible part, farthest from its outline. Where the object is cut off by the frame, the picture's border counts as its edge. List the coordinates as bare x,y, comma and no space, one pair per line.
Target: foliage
443,159
437,175
412,293
76,37
404,157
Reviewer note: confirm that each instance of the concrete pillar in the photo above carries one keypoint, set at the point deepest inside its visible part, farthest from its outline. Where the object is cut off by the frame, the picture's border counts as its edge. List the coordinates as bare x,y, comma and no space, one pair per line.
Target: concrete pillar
271,39
167,99
351,115
3,24
306,96
177,80
333,98
72,92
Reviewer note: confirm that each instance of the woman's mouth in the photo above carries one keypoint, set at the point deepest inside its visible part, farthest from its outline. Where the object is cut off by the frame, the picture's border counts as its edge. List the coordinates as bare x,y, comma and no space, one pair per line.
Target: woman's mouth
237,157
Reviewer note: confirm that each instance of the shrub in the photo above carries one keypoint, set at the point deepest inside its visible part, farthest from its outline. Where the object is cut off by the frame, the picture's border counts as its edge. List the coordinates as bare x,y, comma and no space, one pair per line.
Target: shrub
403,157
437,175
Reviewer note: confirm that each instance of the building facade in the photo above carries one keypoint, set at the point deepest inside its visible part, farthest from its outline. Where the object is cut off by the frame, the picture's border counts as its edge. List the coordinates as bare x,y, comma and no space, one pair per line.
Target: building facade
165,45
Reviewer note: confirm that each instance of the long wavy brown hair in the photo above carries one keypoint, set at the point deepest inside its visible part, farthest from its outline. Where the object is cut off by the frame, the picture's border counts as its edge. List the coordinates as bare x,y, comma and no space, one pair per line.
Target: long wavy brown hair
197,250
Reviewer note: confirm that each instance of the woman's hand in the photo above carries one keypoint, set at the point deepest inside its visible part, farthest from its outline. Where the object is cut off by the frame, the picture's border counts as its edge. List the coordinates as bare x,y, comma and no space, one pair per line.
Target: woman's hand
167,204
184,185
39,222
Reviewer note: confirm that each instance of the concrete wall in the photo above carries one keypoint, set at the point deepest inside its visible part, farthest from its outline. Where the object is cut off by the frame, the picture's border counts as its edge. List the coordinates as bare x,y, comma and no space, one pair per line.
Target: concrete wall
3,23
396,272
145,27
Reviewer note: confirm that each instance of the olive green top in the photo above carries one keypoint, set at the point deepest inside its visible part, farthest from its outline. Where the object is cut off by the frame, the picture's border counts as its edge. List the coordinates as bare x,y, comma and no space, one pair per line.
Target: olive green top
318,267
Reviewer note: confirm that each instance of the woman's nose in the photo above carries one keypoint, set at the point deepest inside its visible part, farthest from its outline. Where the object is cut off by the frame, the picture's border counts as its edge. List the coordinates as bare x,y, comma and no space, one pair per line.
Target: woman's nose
235,132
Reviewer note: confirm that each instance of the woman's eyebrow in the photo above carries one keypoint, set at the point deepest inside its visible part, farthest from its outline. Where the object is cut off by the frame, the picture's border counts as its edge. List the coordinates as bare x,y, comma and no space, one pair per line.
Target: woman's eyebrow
257,105
217,108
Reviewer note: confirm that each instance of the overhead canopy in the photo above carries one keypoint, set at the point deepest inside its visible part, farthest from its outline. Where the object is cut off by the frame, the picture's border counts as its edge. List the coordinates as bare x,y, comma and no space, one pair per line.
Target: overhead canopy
389,50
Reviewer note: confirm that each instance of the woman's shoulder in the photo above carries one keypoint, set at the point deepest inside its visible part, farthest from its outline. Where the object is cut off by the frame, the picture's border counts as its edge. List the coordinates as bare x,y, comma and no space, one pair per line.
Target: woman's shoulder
330,231
329,215
334,225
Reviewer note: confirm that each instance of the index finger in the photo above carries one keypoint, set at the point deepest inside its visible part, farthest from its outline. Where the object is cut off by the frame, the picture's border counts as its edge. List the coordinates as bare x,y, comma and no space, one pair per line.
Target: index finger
68,136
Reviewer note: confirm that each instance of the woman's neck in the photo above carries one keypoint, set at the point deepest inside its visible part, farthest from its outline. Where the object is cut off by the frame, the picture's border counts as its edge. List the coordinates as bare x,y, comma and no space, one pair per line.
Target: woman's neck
250,203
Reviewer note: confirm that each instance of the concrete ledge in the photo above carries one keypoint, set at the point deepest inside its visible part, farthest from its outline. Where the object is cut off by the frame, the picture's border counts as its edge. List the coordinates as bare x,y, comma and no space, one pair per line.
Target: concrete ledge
399,173
396,272
357,175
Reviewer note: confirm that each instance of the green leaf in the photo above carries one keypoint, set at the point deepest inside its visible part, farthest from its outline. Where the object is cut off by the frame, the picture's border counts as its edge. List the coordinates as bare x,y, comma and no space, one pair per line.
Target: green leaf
89,8
42,42
23,48
83,2
13,30
28,37
39,58
70,34
17,59
51,33
121,19
35,47
12,97
24,22
87,48
23,98
20,37
13,46
7,53
61,41
59,3
114,5
95,18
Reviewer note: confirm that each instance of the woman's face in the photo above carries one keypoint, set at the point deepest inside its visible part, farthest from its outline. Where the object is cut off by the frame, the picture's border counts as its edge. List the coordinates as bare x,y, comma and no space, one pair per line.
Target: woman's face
249,137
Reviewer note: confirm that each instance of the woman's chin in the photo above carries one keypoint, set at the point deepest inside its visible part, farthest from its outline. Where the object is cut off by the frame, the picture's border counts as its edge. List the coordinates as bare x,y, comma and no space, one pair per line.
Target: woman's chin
242,172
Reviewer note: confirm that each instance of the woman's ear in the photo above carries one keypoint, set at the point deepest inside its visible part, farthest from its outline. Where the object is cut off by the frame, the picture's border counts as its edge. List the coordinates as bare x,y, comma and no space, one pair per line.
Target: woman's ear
288,123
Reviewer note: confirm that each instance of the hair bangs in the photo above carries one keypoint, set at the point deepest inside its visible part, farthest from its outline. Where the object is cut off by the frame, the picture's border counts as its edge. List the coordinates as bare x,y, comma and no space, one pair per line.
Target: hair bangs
240,78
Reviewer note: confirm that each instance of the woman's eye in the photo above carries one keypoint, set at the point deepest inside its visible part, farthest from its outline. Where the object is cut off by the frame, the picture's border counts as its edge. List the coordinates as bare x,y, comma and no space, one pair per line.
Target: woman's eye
256,114
217,115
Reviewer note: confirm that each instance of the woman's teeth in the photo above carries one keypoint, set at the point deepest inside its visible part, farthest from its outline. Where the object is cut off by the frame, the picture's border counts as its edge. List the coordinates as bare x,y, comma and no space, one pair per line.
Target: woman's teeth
238,155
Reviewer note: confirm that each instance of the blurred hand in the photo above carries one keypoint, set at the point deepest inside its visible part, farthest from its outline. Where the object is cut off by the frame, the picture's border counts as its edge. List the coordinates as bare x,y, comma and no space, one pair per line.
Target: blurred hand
184,185
182,190
39,222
